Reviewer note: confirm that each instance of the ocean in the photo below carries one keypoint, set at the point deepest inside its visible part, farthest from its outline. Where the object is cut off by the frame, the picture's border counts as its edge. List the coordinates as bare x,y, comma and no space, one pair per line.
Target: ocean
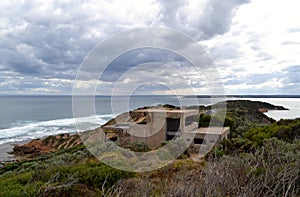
29,117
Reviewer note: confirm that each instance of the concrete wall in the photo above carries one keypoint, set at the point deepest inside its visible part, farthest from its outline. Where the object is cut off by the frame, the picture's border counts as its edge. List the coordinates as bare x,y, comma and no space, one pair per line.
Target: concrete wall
153,134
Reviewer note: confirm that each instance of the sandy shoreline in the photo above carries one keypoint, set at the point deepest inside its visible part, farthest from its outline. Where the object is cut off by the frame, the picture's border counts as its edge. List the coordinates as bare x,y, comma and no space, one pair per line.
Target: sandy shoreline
8,147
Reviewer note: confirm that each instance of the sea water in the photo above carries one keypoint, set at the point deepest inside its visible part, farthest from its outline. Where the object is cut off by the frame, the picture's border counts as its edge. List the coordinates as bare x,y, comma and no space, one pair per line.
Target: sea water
29,117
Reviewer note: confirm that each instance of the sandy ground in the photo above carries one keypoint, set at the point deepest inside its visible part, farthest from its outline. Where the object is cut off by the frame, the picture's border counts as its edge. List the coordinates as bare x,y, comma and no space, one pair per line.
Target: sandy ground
5,149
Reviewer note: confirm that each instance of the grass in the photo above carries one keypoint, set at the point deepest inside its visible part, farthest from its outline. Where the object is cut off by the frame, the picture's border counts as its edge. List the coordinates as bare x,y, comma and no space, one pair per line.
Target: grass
67,171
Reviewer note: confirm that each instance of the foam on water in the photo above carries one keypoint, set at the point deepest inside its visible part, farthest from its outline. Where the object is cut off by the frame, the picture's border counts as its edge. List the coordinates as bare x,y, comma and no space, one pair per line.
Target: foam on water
20,131
20,117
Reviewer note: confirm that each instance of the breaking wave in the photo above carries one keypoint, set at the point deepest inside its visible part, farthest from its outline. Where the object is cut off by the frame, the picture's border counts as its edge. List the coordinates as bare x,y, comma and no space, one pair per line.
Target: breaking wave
27,130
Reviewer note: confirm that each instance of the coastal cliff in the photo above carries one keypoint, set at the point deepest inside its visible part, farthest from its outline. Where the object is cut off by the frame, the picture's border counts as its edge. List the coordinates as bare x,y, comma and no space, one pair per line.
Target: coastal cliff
243,114
49,144
258,160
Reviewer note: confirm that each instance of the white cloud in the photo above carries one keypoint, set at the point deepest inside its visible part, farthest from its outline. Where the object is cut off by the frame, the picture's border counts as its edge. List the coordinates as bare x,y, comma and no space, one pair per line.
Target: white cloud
45,41
260,42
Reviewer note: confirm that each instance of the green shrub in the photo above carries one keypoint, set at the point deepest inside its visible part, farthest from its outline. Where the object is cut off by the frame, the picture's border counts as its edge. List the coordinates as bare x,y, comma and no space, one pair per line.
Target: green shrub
138,147
164,154
204,120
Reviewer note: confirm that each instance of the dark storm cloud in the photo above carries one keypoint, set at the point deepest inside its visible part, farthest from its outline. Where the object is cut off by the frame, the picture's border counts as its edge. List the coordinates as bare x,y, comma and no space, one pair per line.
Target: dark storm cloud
49,40
61,37
136,57
217,17
211,19
46,44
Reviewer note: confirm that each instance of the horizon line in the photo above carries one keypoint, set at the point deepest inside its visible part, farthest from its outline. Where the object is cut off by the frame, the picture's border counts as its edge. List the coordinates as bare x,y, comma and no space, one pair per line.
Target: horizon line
187,96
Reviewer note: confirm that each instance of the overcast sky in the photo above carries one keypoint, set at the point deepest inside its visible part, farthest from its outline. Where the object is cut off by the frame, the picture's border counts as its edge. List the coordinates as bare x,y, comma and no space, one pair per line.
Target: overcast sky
255,44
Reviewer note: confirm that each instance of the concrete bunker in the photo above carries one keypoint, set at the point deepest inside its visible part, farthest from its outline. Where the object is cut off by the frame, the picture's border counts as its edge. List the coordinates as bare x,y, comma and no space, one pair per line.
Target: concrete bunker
154,126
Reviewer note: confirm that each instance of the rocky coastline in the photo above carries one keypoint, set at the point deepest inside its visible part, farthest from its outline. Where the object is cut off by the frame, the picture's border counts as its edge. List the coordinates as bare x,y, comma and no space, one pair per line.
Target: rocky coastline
37,147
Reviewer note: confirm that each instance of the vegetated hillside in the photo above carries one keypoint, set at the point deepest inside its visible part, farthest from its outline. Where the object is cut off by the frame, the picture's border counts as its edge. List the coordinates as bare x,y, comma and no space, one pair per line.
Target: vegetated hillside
247,114
273,170
261,159
66,172
241,115
254,105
